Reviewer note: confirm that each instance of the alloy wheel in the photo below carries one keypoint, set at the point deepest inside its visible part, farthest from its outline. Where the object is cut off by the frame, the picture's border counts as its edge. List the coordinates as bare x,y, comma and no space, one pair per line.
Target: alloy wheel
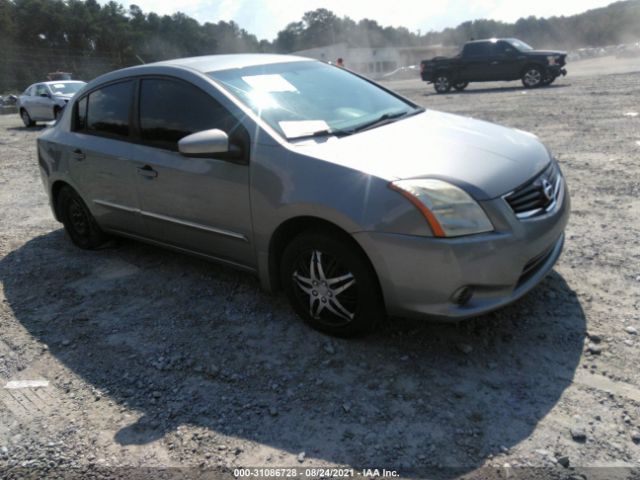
327,286
442,84
532,77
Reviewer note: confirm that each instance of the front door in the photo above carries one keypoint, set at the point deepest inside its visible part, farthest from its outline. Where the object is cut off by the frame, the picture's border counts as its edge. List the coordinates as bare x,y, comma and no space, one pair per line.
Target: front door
503,62
199,204
42,105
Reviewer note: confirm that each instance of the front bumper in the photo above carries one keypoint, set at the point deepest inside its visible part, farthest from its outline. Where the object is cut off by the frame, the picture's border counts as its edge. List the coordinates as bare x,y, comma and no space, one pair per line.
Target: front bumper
556,70
420,275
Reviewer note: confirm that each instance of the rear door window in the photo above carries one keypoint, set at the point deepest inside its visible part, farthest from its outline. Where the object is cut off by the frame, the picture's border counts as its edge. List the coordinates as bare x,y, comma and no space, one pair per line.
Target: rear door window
107,111
170,110
476,50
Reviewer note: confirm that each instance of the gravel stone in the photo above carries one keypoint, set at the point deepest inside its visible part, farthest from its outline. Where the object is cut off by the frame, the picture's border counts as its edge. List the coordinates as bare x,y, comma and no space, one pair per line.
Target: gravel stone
578,434
595,349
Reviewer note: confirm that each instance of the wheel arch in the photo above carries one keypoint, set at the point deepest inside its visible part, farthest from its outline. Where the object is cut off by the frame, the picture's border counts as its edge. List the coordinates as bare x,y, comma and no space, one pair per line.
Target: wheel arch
293,227
55,192
532,64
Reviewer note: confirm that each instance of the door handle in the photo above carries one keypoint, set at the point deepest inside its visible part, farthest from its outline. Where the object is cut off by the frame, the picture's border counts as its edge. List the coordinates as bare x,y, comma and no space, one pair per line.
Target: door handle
495,63
78,155
147,171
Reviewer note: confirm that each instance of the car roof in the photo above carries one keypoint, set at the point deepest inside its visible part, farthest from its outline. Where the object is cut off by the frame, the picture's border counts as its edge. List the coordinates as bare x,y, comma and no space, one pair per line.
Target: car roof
492,40
212,63
51,82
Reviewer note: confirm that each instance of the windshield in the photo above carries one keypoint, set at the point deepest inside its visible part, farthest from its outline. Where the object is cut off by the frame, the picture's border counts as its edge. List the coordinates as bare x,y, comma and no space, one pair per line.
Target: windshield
301,99
66,88
520,45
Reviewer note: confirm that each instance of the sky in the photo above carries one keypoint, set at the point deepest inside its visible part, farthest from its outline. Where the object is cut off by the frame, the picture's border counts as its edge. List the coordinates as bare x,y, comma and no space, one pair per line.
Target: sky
264,18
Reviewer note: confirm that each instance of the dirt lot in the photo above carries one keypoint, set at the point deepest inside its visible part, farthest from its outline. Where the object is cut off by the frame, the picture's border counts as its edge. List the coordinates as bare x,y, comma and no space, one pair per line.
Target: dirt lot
155,359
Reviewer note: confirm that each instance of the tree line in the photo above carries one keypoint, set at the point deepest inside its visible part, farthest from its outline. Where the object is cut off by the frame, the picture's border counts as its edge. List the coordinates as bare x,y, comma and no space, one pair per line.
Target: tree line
87,39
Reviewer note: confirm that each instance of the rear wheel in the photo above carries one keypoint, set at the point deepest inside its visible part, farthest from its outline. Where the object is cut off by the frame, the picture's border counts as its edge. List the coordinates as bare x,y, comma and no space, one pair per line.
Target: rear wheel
532,77
331,285
442,83
78,221
26,119
460,86
57,111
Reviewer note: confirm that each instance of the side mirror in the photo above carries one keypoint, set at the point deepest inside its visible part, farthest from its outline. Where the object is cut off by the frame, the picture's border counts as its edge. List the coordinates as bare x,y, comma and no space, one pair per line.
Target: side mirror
206,142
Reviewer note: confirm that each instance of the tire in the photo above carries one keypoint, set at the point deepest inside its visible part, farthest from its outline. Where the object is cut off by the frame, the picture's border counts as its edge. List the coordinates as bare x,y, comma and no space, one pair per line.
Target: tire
78,222
57,111
548,80
460,86
26,119
442,83
532,77
331,285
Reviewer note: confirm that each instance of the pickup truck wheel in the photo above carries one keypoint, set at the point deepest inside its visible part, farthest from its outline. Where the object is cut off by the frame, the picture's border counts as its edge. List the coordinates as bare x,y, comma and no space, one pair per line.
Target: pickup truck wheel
460,86
532,77
442,83
548,80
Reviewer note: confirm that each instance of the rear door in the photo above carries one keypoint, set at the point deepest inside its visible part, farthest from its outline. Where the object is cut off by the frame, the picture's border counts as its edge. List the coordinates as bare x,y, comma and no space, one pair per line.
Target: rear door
200,204
475,62
26,99
100,157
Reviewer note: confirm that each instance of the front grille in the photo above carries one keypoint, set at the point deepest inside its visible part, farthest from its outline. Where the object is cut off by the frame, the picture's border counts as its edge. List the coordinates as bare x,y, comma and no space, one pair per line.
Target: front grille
537,196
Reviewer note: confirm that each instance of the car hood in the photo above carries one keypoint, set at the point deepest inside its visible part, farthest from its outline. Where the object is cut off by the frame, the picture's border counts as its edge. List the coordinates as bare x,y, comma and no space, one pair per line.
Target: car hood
485,159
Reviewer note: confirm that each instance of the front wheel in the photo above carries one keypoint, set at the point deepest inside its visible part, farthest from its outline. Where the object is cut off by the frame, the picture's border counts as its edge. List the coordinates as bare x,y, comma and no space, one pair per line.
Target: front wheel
548,80
78,221
460,86
331,285
532,77
442,83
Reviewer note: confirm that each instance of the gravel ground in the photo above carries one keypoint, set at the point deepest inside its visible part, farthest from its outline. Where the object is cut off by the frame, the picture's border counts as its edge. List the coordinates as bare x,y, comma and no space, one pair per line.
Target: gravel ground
156,360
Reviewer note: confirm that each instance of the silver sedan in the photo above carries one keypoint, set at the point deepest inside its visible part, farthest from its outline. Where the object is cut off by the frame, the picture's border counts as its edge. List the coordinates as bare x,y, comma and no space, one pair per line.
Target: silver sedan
355,201
45,101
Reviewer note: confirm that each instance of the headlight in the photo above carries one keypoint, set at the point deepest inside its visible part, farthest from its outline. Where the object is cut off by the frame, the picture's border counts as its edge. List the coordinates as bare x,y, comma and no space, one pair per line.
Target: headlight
553,59
449,210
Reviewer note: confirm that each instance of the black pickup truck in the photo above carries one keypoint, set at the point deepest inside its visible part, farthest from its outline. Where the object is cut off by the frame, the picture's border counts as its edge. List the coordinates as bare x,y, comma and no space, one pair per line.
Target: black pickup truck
493,60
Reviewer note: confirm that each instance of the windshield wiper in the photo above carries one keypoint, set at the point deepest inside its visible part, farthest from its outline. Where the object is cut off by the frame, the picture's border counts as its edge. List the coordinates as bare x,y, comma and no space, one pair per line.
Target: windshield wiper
386,118
321,133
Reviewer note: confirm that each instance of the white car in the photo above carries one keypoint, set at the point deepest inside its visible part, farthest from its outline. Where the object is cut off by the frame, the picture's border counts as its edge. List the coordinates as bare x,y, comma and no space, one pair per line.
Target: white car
45,101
